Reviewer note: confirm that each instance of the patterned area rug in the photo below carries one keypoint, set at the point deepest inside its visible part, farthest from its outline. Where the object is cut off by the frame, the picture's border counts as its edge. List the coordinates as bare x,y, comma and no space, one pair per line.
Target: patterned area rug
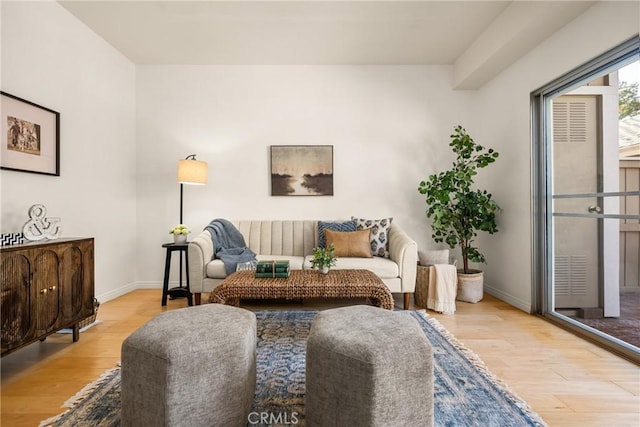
466,393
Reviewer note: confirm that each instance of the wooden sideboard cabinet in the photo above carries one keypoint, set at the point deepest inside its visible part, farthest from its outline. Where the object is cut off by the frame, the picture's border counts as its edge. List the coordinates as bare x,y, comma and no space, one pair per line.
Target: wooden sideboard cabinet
45,287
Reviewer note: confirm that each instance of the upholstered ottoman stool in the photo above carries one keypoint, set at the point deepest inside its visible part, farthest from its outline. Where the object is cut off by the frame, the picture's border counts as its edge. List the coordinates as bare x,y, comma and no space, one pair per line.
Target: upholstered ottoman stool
368,367
194,366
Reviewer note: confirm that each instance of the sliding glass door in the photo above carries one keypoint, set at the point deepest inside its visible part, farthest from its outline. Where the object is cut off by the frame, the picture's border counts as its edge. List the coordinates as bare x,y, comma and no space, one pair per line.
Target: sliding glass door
586,203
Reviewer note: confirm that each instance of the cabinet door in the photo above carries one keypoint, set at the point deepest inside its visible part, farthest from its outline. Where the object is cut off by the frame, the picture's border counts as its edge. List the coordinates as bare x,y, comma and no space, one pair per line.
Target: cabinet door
71,280
14,299
45,290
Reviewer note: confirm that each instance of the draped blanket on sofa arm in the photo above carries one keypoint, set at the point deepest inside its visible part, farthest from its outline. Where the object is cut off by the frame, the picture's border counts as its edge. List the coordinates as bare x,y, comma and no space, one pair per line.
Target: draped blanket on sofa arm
229,244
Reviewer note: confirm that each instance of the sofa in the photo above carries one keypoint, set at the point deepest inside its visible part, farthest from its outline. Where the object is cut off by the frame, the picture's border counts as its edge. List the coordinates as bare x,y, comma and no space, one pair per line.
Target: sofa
294,240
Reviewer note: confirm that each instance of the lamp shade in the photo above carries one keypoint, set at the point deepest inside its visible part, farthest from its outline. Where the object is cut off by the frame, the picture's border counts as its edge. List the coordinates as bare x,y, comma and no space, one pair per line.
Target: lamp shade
191,171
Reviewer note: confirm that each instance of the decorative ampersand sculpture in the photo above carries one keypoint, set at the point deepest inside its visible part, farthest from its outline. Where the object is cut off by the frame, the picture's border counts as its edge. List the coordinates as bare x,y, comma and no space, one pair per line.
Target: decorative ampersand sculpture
39,226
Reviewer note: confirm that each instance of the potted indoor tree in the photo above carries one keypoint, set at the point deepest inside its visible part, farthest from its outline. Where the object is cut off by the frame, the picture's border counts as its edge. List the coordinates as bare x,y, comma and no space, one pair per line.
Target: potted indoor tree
458,212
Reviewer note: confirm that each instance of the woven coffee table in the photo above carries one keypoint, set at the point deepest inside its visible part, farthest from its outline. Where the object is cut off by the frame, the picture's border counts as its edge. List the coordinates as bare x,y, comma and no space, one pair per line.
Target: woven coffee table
304,284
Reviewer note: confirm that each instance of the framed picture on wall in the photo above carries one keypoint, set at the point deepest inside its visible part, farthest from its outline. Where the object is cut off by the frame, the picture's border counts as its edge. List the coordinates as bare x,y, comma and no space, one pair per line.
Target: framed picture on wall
302,170
30,139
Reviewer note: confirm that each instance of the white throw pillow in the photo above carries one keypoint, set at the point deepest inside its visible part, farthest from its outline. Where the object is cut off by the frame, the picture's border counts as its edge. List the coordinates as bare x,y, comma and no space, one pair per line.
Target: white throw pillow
434,257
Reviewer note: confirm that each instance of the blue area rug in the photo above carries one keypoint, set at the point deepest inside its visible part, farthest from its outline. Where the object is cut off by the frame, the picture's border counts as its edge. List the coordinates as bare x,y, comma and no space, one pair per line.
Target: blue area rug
466,393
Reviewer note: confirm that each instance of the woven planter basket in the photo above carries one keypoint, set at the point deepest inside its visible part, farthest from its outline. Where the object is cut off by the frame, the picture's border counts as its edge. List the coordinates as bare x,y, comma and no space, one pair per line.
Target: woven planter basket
470,286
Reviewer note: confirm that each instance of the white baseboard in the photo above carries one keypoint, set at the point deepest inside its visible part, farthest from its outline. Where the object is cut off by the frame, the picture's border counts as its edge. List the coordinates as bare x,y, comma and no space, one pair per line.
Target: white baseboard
151,285
115,293
509,299
157,285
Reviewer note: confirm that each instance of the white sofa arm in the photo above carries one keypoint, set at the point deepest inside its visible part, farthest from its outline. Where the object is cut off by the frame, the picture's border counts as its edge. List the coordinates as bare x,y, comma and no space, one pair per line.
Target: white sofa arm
404,251
200,252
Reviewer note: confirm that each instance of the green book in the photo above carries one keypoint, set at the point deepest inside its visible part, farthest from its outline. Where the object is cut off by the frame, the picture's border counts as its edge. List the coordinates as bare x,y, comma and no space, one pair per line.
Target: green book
273,263
270,269
272,275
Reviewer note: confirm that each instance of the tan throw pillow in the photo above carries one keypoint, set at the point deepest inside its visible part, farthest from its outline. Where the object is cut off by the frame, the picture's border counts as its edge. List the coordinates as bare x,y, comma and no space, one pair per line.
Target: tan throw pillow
350,244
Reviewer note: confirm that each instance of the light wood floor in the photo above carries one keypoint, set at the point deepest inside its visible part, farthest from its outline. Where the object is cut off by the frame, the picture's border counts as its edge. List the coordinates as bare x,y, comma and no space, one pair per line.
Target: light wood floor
568,381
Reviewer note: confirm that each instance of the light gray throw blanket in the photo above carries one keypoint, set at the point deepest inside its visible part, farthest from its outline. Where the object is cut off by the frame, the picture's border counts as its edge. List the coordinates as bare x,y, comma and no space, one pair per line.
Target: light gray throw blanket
229,244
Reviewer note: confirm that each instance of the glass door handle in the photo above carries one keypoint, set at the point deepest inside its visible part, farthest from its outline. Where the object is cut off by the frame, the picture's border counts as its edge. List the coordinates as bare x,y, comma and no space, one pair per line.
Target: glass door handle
594,209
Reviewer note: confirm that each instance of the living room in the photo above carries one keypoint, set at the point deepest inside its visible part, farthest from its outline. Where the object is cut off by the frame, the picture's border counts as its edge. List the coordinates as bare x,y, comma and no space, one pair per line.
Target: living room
124,126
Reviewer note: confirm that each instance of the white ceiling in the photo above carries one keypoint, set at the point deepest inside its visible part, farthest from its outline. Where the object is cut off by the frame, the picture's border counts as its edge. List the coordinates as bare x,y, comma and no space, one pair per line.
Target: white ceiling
465,34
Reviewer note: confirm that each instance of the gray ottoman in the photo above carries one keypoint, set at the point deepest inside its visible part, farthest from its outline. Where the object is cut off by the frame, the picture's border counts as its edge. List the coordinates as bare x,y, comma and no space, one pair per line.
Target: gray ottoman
368,367
194,366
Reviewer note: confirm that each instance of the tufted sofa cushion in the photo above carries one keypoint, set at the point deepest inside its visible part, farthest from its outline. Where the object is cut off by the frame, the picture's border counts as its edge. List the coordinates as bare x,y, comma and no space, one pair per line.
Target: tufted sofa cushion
287,238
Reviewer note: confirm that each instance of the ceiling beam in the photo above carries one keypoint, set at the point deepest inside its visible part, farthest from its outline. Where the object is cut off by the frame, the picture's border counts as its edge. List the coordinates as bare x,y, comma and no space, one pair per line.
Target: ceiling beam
517,30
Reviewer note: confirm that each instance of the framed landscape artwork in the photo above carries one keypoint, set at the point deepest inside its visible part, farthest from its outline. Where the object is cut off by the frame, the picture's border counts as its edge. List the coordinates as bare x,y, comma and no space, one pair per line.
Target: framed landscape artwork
302,170
30,137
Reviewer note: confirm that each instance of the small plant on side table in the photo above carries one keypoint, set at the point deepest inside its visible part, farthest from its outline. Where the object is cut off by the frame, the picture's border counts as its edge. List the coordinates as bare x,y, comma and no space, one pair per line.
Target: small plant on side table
180,233
324,258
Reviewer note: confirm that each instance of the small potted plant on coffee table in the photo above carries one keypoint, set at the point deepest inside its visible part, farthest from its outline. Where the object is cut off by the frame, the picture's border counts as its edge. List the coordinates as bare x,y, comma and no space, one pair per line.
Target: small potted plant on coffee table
324,258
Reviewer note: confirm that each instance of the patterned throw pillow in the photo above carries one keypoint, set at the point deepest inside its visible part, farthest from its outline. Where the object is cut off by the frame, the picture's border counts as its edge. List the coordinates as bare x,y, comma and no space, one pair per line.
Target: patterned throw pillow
336,226
379,234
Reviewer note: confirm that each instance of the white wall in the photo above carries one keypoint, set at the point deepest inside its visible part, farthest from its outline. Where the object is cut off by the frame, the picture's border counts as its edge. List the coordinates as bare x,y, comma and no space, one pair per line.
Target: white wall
389,126
505,110
51,59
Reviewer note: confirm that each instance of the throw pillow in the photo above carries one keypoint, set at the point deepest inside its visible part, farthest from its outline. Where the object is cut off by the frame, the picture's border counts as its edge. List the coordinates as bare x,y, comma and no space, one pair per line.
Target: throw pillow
434,257
379,238
337,226
350,244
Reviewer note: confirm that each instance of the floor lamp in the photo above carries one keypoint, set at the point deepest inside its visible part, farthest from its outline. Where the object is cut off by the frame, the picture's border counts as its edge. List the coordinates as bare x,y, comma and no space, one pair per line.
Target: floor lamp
191,171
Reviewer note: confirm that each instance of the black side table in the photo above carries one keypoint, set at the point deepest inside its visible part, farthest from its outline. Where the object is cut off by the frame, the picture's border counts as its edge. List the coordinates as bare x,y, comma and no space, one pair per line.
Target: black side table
180,291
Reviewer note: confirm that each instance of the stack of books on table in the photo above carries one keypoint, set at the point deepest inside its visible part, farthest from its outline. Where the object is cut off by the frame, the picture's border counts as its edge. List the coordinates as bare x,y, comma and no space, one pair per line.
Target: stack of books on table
278,268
